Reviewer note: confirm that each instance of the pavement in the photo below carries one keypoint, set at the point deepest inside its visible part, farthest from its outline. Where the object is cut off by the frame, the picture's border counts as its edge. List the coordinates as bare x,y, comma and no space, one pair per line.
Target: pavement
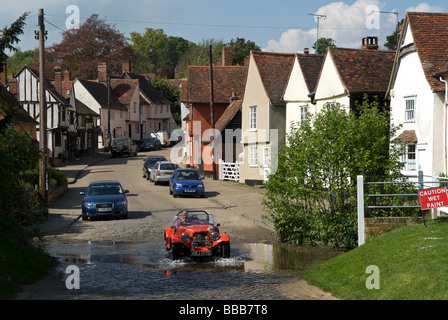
238,198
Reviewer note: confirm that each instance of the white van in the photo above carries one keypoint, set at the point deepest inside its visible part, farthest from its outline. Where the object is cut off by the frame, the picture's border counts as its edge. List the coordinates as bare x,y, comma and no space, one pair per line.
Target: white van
162,136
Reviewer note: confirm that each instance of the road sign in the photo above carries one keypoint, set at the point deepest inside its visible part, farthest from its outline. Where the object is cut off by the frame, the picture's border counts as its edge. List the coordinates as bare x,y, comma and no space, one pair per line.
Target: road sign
433,198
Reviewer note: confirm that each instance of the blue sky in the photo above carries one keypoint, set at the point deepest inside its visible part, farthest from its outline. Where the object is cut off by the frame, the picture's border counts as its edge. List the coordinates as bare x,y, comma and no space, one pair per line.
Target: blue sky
280,26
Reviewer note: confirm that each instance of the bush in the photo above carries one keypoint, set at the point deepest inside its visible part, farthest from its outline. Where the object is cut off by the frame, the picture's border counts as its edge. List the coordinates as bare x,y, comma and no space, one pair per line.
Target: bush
312,195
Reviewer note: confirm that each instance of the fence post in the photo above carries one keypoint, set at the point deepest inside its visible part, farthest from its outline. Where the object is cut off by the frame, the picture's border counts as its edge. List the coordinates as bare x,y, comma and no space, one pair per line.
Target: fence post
361,227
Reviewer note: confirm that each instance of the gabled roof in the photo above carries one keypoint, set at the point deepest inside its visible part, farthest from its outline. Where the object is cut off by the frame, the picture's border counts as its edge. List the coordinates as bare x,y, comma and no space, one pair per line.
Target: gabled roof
81,108
430,33
50,87
11,102
228,115
363,70
274,69
124,89
226,81
310,65
99,92
147,89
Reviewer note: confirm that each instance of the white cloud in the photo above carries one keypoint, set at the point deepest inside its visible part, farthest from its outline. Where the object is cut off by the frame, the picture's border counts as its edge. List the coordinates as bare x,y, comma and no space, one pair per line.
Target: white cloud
425,7
344,23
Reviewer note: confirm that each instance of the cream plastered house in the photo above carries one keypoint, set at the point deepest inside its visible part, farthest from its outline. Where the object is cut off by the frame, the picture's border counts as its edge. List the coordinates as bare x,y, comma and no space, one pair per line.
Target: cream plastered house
348,74
263,114
300,90
417,93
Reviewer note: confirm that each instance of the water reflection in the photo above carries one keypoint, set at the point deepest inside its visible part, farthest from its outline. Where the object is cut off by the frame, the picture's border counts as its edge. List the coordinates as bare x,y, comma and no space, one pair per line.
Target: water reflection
252,257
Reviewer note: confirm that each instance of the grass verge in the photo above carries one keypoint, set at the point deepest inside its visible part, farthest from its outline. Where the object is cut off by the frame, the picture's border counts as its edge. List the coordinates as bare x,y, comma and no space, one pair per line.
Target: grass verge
20,265
412,264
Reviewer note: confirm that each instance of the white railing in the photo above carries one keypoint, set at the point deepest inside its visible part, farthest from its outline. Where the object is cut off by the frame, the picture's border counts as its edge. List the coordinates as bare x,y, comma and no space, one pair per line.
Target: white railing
229,171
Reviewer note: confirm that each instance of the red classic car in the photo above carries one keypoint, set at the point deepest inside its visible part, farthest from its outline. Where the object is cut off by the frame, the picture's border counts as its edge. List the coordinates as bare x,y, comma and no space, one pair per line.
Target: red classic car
195,234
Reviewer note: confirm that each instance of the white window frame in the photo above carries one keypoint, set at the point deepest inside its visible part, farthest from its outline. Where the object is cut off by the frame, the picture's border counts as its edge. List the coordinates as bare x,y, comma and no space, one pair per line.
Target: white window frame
303,113
253,118
409,109
253,156
409,157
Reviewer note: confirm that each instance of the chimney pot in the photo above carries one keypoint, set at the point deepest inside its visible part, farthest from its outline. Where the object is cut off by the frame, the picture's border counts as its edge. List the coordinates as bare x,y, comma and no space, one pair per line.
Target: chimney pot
306,50
370,43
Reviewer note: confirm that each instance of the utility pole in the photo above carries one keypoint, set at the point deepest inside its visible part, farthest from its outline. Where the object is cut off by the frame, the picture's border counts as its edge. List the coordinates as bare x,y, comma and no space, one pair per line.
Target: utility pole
212,108
43,172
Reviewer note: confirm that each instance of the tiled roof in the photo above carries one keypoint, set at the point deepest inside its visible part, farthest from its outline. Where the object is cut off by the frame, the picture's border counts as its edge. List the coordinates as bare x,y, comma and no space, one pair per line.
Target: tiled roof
363,70
11,102
274,69
430,33
81,108
99,92
407,136
226,80
124,89
228,115
310,65
148,90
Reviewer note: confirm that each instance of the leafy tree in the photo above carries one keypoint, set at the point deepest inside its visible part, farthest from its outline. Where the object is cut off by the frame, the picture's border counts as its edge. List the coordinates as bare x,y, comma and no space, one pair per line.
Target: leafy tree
9,37
322,44
20,58
392,40
241,49
312,195
157,51
171,92
82,49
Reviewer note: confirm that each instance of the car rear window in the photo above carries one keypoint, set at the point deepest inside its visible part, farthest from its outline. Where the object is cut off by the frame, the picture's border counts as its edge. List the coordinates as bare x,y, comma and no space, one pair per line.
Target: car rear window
168,166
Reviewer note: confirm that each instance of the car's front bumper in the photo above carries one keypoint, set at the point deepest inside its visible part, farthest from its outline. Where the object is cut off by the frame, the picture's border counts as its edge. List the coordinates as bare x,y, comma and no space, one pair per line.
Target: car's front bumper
188,191
94,212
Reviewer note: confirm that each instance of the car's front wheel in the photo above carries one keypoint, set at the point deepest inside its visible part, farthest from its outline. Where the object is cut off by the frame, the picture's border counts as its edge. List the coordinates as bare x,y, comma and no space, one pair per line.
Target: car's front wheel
225,250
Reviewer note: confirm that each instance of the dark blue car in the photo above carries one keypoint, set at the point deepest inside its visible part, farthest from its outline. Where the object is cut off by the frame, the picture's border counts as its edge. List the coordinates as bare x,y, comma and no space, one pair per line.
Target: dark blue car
186,182
104,199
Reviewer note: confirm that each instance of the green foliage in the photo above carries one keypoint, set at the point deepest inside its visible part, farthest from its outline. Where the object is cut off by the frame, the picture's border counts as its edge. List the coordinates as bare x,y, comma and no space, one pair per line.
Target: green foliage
10,36
16,61
312,196
172,93
322,44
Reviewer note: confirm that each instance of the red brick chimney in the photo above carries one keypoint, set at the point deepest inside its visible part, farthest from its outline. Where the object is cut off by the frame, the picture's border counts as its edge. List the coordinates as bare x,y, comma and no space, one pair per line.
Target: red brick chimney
227,56
370,43
67,75
102,73
126,66
12,85
58,79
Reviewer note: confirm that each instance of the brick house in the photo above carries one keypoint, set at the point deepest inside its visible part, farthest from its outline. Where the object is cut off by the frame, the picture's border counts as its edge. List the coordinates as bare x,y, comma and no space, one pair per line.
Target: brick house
228,81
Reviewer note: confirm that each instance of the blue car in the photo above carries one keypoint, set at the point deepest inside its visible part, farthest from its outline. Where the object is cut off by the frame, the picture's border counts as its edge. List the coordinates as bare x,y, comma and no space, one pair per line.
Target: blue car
104,199
186,182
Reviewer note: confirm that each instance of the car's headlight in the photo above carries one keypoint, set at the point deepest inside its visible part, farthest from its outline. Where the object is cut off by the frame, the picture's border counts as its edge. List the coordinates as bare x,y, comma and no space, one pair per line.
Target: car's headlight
88,204
215,236
178,185
208,245
194,245
121,203
185,236
200,186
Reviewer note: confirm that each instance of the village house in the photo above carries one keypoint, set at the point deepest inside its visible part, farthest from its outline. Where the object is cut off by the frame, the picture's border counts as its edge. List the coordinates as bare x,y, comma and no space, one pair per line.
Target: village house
61,126
228,85
23,122
418,93
349,74
300,90
156,112
263,113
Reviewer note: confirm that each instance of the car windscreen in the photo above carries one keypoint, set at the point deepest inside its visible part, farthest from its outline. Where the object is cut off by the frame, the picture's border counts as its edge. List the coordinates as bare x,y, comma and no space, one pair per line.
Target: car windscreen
102,189
150,140
168,166
193,218
116,142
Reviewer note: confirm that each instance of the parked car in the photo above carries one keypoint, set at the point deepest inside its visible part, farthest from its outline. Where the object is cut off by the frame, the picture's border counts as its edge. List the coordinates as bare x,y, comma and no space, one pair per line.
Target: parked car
162,171
149,162
121,146
104,199
195,234
186,182
150,144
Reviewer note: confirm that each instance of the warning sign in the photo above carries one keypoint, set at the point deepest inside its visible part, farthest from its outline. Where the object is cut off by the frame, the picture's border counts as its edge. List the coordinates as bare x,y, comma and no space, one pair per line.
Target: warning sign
433,198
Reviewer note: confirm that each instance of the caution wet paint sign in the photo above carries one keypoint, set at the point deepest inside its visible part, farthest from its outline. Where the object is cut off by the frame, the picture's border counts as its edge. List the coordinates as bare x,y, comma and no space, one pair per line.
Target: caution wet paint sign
433,198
